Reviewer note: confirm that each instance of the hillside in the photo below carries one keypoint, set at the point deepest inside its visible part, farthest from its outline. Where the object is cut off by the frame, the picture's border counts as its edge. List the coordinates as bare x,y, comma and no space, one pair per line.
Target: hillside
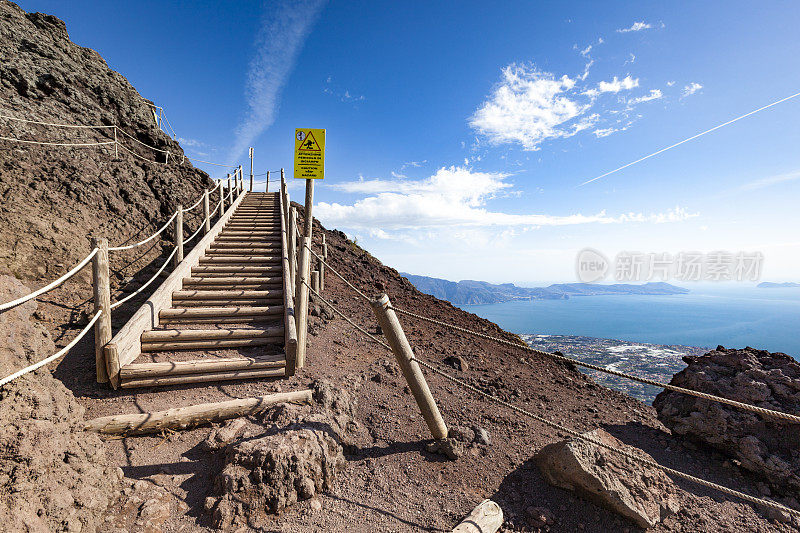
469,292
54,197
56,477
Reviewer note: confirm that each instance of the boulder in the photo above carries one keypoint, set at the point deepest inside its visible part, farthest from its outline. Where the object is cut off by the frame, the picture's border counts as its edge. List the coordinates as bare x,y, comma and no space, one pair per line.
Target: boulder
765,446
637,492
296,458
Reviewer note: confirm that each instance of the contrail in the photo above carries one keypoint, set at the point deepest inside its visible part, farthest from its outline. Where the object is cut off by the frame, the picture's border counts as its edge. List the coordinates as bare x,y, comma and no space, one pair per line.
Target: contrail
285,26
690,138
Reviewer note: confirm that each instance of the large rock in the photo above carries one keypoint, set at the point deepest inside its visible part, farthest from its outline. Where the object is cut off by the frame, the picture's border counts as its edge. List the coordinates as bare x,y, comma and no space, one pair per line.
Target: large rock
53,475
297,457
765,446
640,493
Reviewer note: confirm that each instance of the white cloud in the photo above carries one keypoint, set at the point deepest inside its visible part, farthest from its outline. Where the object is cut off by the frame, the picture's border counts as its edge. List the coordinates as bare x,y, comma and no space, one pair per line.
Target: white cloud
527,107
585,51
614,86
692,88
636,26
670,83
284,28
631,59
772,180
655,94
453,197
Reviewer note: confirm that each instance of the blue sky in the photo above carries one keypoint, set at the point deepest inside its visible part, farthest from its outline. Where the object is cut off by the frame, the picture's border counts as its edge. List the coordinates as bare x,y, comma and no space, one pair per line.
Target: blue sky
459,133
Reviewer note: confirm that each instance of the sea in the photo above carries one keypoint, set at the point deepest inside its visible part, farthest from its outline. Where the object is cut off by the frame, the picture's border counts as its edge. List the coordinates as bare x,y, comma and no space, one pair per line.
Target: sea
731,315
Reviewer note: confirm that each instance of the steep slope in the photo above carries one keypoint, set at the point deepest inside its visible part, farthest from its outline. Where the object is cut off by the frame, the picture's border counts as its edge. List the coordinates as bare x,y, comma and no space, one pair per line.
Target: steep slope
53,197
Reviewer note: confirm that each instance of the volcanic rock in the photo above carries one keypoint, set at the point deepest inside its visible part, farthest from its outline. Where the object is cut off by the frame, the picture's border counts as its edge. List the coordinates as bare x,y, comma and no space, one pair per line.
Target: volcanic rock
764,445
640,493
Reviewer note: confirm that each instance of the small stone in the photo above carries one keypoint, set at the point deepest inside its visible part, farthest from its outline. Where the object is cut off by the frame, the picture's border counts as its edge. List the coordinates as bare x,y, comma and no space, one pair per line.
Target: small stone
539,517
482,436
457,362
315,504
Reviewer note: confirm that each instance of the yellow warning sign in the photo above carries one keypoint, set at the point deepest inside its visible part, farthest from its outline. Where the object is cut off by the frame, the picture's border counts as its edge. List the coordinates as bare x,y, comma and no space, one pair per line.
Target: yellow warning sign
309,153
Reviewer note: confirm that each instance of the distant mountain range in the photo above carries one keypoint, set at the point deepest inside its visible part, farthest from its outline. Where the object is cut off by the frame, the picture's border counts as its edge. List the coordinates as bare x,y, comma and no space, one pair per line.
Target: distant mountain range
773,285
469,292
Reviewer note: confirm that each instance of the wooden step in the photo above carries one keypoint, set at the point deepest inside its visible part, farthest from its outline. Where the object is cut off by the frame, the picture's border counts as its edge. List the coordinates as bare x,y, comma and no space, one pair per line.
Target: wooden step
225,295
244,240
244,245
241,251
199,366
186,335
230,302
211,344
220,314
206,312
227,270
233,280
183,379
239,259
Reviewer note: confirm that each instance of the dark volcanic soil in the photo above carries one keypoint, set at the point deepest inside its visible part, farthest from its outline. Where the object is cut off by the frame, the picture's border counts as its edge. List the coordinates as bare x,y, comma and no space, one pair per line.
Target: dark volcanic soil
394,484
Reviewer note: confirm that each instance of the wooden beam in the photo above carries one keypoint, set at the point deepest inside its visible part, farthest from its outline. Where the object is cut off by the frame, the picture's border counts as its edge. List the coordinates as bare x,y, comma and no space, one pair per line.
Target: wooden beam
203,378
290,326
202,366
183,417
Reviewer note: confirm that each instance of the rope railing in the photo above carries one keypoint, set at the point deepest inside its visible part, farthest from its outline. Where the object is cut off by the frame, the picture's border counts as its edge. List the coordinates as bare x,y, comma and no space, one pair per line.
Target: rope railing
198,202
56,355
148,239
43,143
50,286
559,427
147,283
82,126
117,129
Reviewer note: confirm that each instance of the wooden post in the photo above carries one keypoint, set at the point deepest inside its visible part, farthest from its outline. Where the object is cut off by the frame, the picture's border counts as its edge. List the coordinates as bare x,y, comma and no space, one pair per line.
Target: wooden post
487,517
229,189
206,213
322,264
221,198
251,169
116,144
266,185
292,237
402,351
241,180
301,299
102,303
178,237
315,281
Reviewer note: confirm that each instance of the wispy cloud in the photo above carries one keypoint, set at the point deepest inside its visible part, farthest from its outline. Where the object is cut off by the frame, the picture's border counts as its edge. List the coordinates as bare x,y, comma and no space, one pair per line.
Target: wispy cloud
284,28
636,26
453,197
769,181
655,94
529,107
692,88
343,95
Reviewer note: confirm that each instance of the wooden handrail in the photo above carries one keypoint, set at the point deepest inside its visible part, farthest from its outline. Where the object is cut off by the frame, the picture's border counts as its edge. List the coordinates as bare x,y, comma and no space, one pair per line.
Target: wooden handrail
290,328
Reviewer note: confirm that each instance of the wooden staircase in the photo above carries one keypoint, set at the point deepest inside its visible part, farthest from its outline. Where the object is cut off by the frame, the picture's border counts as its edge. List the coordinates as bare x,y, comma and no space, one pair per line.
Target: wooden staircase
229,317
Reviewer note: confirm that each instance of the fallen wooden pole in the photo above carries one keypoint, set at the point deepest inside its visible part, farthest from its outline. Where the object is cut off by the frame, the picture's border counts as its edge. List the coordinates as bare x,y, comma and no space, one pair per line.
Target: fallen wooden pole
487,517
184,417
